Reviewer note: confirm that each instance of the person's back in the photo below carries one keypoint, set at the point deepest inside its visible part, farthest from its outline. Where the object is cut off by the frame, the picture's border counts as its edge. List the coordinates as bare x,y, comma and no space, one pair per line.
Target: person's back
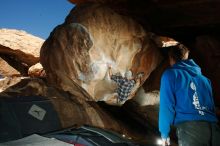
186,101
193,93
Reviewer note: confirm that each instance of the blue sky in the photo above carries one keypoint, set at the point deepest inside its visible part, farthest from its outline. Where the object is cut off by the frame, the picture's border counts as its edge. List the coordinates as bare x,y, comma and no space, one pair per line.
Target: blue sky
37,17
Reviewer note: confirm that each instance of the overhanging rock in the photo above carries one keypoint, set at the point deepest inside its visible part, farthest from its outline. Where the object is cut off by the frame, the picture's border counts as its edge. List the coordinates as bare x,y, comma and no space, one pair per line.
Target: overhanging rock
77,53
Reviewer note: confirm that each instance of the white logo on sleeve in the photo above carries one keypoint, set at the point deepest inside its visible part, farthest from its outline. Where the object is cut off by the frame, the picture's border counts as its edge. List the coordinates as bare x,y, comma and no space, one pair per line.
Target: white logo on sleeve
37,112
196,99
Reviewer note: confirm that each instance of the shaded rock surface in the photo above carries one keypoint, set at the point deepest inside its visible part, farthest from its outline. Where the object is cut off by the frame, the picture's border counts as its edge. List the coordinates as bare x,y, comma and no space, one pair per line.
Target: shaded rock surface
71,110
147,117
77,53
207,53
177,19
153,82
20,49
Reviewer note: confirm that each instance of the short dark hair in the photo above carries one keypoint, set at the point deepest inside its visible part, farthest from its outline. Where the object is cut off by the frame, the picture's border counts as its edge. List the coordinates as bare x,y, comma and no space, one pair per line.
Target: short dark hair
178,52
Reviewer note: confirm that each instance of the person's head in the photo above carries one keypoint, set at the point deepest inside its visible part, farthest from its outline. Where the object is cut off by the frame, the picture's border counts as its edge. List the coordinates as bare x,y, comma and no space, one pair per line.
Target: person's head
118,74
128,74
178,53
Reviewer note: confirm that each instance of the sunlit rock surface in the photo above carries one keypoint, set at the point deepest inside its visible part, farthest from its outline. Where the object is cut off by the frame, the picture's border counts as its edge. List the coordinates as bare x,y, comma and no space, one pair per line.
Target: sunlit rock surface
20,49
6,69
7,82
36,71
77,53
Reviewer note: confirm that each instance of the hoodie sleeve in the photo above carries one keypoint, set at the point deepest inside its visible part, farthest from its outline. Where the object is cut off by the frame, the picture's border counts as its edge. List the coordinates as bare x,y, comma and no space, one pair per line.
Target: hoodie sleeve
167,103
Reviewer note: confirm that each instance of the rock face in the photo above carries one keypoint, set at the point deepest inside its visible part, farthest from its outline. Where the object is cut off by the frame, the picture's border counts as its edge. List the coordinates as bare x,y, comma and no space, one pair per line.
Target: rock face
7,82
6,69
77,53
208,56
20,49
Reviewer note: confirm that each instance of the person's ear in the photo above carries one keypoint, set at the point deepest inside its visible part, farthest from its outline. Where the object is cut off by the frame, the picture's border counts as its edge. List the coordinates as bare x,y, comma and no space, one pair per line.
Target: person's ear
186,56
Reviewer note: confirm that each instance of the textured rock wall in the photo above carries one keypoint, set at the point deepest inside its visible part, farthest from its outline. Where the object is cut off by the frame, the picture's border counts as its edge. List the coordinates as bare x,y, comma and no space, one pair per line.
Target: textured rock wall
148,94
207,55
21,44
77,53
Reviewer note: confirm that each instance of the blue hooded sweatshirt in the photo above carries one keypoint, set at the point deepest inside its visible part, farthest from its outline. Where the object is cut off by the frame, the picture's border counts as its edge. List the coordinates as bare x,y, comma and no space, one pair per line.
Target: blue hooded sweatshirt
185,95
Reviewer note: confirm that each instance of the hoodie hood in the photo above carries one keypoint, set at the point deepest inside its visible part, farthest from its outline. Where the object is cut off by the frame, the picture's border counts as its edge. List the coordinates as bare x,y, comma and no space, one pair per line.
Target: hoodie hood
189,65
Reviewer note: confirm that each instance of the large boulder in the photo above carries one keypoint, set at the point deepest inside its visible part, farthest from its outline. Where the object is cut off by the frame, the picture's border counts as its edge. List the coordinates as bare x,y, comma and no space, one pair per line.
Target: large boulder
20,49
77,53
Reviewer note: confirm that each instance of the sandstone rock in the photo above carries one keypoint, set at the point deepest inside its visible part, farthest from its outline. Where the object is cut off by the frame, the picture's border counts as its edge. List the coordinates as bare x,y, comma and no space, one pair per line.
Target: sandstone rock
163,41
153,82
36,71
77,53
6,69
148,94
20,49
7,82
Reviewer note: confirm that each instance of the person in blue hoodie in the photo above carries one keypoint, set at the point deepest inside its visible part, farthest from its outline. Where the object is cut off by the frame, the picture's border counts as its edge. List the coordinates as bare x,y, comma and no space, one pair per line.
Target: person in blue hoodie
186,101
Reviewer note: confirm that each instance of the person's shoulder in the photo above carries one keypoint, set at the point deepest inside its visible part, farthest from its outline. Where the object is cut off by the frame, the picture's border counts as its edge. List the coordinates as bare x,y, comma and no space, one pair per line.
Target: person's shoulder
169,71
